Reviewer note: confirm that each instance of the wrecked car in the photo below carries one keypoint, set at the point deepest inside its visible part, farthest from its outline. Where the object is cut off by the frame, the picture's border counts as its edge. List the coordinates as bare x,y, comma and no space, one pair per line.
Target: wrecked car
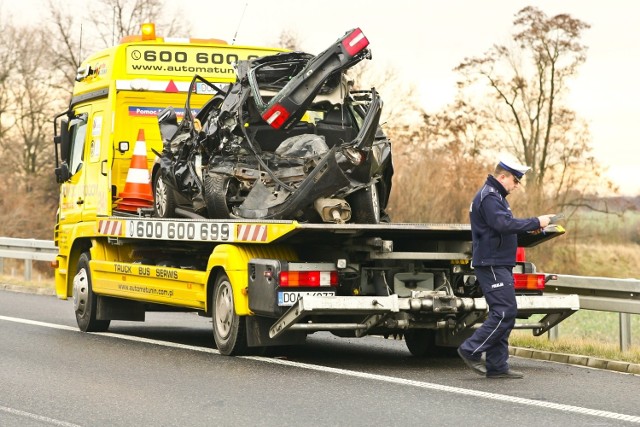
289,139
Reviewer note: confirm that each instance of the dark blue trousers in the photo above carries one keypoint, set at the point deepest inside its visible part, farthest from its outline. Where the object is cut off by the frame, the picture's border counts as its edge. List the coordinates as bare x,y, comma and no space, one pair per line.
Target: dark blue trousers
492,337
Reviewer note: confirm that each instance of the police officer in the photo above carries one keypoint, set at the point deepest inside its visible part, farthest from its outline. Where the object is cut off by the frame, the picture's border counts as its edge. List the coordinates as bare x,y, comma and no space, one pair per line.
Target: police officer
494,231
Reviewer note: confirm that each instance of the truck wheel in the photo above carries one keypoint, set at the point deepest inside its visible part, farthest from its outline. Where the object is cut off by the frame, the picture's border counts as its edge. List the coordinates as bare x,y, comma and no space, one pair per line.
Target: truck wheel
365,205
216,189
84,300
229,329
421,342
164,201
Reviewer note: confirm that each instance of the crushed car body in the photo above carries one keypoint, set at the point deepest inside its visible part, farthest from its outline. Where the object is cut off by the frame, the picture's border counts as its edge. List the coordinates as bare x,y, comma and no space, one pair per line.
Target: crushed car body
288,140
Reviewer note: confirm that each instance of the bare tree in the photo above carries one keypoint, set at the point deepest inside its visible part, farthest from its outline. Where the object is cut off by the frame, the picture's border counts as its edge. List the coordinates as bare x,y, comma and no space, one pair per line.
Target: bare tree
28,97
289,39
110,21
527,116
7,74
66,46
437,161
118,18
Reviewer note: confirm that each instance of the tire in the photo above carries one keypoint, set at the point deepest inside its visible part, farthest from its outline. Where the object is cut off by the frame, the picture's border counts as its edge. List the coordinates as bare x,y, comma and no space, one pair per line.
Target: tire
216,189
421,342
84,300
164,201
365,205
229,329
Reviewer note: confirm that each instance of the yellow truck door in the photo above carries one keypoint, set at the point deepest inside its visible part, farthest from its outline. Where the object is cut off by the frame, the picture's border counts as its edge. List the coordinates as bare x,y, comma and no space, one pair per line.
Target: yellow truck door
97,188
72,194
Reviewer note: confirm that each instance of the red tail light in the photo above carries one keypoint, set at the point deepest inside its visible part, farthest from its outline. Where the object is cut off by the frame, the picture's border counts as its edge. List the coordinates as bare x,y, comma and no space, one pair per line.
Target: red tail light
308,278
355,42
520,256
529,282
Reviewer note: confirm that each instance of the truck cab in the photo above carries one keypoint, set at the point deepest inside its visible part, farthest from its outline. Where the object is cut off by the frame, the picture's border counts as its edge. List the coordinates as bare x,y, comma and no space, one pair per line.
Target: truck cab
118,92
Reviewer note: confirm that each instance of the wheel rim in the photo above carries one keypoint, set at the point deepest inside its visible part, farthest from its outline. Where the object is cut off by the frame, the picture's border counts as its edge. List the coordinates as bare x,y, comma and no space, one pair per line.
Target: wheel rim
224,309
161,197
80,292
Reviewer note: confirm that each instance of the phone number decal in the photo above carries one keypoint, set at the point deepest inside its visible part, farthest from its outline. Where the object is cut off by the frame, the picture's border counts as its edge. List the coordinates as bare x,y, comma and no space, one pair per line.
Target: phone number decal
184,61
187,231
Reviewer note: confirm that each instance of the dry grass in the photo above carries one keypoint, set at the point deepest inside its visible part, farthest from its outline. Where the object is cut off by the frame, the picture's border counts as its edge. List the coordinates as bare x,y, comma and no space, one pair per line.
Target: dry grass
600,259
587,333
576,346
44,283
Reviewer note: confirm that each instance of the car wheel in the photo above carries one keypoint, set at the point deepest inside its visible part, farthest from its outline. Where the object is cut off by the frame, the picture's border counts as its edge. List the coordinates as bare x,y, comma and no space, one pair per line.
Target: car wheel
365,205
217,188
84,300
164,201
229,329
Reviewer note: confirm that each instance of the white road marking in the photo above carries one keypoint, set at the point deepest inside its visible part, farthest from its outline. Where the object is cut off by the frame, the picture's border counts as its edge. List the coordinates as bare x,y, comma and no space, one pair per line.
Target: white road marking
356,374
37,417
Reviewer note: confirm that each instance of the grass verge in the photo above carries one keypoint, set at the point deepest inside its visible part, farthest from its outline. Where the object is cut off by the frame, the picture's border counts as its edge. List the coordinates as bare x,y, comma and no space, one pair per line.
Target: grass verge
44,286
586,333
576,346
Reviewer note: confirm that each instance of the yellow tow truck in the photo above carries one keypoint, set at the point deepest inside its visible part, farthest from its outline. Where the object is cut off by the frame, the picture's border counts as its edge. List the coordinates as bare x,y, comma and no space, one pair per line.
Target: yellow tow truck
263,282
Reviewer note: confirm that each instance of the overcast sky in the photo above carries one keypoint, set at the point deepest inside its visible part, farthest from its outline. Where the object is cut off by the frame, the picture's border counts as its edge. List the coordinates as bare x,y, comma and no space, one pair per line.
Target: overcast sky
425,39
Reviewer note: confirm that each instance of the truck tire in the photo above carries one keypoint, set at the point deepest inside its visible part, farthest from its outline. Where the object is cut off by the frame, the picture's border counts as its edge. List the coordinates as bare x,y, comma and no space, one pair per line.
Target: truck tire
84,300
365,205
164,201
229,329
216,189
421,342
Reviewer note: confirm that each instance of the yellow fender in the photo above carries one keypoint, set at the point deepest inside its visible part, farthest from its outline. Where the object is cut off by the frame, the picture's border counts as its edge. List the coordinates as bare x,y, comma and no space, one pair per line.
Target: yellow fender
234,260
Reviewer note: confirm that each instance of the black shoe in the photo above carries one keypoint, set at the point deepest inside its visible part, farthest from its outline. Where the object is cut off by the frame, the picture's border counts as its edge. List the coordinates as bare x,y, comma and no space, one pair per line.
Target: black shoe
476,365
507,375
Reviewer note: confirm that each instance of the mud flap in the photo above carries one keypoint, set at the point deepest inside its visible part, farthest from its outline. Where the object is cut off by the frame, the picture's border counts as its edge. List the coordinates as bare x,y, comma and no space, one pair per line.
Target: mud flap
258,334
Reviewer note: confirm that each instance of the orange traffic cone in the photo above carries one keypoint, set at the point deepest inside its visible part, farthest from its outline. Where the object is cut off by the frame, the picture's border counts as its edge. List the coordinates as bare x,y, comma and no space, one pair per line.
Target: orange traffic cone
137,191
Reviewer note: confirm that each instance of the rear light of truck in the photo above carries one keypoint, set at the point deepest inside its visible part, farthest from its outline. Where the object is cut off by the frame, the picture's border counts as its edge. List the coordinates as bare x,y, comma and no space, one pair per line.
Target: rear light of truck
529,282
308,278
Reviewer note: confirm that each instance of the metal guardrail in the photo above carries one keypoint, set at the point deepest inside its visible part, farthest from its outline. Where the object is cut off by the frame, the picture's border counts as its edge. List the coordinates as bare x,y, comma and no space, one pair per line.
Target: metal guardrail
27,249
596,293
600,293
603,294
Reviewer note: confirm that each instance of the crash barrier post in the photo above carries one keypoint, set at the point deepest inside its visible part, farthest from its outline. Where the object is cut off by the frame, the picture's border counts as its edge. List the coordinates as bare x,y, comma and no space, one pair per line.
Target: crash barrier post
27,249
625,331
620,296
137,191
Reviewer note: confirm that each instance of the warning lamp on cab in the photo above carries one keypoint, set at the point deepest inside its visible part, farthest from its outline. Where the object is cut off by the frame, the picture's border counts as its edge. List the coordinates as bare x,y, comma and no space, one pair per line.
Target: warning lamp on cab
148,31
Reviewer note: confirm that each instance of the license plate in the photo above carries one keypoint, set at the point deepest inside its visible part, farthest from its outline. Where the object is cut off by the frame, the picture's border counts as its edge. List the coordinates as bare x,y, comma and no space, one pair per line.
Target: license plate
290,298
205,89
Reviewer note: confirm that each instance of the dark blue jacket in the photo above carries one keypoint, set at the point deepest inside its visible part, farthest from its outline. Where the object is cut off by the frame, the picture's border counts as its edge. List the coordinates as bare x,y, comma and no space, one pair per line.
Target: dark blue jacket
493,228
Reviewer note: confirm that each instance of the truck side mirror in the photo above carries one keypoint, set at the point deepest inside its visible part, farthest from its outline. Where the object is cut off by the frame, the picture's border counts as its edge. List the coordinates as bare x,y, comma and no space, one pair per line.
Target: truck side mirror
62,173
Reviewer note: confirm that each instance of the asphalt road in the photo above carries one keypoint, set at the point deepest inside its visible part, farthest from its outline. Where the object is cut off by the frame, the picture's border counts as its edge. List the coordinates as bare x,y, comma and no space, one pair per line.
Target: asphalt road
166,372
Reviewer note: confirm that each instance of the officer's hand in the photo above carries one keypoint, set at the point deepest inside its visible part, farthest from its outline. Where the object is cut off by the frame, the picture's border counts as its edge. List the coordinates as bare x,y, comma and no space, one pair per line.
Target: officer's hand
545,220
